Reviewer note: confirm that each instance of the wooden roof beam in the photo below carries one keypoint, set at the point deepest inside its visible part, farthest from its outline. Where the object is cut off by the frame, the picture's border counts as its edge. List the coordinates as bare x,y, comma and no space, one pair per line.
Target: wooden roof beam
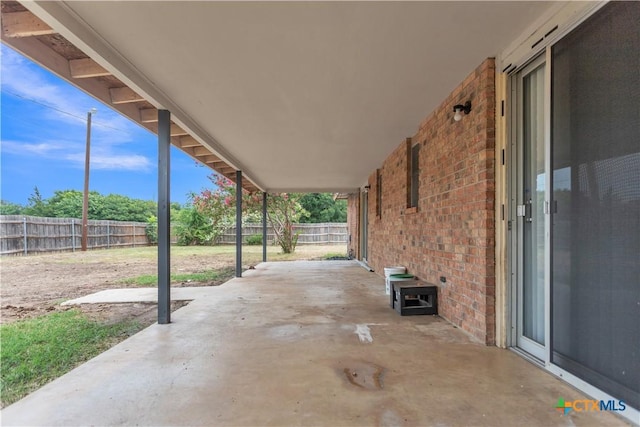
124,95
24,24
217,164
201,151
148,115
230,174
188,142
85,68
177,130
214,162
226,171
208,160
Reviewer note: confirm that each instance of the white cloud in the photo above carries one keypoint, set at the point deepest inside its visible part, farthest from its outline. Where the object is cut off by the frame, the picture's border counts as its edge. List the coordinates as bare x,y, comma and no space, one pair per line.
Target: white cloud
66,104
102,158
58,132
99,161
38,149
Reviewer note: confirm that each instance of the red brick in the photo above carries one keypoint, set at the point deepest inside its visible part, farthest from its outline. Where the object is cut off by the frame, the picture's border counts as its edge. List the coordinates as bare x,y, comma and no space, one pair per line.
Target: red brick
451,234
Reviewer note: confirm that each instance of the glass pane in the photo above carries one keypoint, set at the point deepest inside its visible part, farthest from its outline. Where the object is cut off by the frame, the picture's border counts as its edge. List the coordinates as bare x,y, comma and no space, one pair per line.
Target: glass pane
596,196
534,191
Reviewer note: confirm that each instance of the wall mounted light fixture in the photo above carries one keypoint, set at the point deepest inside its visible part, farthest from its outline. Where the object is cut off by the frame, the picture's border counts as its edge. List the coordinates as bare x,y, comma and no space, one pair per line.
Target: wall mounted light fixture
367,188
459,109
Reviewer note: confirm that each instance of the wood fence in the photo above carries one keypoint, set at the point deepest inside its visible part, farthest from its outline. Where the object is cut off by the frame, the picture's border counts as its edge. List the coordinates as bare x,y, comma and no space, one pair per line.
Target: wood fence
22,235
29,234
311,234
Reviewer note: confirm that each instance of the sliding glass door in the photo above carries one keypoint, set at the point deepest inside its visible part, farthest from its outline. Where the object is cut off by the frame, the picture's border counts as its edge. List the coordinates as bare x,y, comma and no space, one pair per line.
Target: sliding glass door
595,281
575,211
530,216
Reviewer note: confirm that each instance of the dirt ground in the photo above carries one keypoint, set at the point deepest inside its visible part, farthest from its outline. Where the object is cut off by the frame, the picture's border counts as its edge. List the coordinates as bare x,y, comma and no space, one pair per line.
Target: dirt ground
34,285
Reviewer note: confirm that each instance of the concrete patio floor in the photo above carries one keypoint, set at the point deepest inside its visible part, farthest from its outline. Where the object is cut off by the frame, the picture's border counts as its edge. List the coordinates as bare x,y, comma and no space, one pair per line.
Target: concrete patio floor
302,343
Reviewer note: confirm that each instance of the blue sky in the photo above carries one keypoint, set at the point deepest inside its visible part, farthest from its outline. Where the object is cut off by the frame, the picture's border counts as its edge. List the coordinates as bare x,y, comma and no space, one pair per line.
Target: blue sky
43,134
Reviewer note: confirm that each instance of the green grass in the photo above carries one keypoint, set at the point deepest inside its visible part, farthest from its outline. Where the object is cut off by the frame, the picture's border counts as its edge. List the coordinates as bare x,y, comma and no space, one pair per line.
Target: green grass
36,351
331,255
250,254
202,277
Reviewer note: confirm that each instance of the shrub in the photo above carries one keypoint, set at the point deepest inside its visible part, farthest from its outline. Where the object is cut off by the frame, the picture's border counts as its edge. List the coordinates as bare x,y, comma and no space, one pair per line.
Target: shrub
255,239
194,228
152,230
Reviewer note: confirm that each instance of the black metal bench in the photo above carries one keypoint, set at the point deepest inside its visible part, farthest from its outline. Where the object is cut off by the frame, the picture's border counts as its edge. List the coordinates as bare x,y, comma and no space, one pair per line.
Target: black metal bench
412,298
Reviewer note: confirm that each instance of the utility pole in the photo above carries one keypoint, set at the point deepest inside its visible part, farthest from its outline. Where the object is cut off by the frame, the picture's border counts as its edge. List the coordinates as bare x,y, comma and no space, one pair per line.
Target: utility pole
85,196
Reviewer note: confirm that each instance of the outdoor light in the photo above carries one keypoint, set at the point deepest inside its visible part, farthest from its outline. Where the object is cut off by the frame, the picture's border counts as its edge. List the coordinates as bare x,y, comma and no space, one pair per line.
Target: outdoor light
367,188
459,108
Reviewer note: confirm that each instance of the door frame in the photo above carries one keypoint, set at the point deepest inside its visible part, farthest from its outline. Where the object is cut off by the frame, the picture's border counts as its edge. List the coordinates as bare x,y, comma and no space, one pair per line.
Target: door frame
515,229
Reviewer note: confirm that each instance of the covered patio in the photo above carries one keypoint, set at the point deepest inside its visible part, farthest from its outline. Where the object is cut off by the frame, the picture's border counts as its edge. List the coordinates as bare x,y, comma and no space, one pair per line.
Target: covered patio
302,343
413,111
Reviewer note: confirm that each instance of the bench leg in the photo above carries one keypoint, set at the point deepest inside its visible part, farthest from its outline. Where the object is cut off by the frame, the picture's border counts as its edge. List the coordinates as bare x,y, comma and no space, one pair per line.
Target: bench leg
391,294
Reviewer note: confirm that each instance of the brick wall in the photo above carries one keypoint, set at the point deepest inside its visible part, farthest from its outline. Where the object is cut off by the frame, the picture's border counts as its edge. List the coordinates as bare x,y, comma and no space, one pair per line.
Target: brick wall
353,214
451,233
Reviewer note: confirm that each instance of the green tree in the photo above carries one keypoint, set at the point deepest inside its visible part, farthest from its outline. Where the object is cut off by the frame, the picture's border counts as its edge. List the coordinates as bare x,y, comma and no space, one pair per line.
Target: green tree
36,205
122,208
283,210
218,205
68,204
193,227
323,208
8,208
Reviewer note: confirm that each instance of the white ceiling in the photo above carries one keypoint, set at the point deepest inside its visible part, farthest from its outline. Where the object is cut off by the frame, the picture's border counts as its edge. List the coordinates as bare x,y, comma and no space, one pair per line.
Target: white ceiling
301,96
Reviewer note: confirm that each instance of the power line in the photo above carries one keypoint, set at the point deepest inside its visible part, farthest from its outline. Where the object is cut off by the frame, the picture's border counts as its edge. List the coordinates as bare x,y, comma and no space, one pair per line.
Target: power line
81,118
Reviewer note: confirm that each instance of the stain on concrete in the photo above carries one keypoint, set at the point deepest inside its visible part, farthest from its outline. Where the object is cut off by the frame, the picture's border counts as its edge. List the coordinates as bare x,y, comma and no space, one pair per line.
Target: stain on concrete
389,418
287,332
364,333
365,375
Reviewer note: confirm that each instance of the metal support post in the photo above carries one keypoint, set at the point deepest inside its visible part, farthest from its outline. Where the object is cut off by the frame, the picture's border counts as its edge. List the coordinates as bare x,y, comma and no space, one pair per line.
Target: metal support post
24,231
238,223
164,244
264,227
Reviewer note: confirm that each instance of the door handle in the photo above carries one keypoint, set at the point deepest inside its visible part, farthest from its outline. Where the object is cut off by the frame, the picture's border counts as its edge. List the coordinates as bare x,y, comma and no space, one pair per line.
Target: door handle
529,211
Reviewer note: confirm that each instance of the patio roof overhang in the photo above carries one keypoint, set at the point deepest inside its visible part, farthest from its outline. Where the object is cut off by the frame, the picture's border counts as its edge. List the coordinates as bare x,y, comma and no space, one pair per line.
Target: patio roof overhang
304,97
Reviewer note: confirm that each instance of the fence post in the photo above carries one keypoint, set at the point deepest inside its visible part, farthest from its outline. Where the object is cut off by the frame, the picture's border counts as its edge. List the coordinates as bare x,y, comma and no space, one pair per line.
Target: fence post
73,235
108,235
134,235
24,230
